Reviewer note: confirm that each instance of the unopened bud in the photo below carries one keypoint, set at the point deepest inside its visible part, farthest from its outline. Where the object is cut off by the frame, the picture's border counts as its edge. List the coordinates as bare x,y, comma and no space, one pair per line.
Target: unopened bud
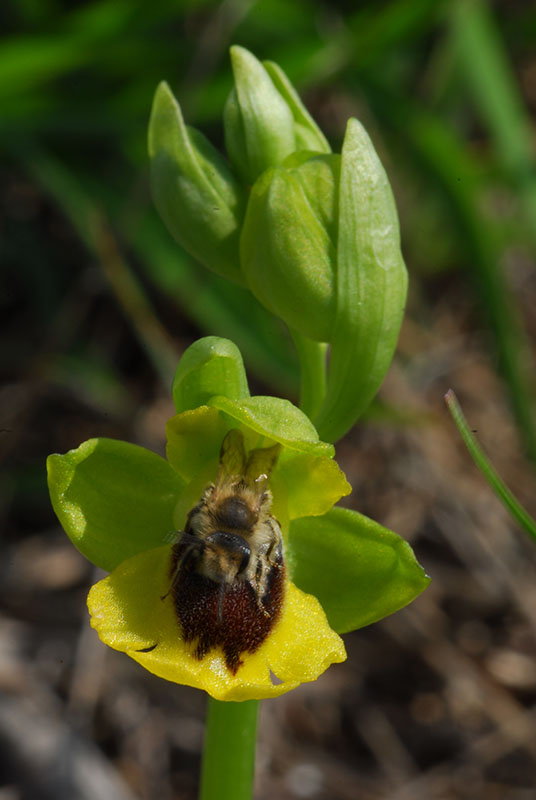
194,190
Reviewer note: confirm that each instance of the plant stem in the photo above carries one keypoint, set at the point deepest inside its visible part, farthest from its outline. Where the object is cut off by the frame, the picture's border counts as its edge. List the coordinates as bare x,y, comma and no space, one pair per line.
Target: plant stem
229,754
312,356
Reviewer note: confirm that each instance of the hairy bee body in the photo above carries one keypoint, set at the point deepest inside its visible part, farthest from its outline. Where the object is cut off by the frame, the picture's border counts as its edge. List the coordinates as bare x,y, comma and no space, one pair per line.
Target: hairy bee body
227,569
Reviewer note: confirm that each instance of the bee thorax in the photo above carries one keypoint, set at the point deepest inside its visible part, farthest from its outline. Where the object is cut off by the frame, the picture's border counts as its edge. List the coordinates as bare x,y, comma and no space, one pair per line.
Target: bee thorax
234,512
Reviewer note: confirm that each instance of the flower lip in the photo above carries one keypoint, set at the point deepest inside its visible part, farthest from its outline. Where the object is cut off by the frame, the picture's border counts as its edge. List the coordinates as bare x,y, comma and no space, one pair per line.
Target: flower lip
218,610
299,648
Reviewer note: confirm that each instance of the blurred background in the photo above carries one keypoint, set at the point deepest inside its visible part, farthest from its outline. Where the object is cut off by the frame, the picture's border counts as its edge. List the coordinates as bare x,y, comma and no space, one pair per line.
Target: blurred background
97,304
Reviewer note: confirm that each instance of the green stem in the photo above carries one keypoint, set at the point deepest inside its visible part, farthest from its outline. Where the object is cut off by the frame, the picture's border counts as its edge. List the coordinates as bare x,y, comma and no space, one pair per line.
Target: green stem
513,505
312,356
229,754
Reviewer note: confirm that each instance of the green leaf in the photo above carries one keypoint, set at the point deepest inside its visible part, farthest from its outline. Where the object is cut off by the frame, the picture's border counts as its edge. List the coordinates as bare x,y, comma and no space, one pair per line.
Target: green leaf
194,190
113,499
211,366
359,570
276,419
371,286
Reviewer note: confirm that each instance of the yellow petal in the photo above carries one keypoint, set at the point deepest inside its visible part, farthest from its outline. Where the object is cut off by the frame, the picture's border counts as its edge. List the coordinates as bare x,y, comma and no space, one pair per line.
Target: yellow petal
130,615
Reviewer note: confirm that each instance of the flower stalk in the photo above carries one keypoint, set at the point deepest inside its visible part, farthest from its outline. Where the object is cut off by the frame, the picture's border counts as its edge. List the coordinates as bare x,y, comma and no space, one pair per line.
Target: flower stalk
228,766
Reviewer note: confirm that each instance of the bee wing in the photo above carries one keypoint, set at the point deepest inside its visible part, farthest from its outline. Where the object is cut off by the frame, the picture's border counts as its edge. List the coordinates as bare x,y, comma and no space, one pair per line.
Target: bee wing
232,455
260,464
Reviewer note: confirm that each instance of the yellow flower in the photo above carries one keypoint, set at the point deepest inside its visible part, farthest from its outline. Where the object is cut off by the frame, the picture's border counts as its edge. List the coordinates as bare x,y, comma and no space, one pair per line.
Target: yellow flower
302,570
133,609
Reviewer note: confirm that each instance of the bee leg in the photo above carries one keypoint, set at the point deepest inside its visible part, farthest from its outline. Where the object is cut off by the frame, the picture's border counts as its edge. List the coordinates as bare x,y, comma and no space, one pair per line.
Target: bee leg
191,553
275,559
258,585
173,579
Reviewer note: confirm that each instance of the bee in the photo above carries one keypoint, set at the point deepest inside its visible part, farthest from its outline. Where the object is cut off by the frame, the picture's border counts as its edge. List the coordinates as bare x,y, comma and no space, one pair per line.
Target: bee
227,570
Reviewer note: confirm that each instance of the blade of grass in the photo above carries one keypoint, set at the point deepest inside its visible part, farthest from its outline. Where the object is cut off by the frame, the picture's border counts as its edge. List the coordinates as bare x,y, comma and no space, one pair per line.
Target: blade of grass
517,512
451,165
495,92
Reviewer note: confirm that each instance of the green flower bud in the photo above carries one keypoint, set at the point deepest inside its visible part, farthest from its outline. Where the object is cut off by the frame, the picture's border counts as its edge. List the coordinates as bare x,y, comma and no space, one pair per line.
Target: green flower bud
264,118
319,244
371,285
308,134
320,247
194,190
288,246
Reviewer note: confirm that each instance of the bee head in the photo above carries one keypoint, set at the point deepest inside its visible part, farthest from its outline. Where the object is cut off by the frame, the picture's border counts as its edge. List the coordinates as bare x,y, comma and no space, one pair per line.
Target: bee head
225,556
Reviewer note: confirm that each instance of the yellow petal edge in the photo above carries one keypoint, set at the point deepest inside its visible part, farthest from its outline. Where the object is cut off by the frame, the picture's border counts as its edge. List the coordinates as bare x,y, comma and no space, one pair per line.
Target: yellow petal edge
129,614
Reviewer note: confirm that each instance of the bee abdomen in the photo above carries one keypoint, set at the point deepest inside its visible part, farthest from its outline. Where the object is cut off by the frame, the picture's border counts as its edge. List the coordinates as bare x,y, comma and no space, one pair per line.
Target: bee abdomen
229,616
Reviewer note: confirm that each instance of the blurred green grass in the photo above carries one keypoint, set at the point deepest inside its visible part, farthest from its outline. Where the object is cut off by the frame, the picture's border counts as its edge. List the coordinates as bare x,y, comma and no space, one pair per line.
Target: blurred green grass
436,82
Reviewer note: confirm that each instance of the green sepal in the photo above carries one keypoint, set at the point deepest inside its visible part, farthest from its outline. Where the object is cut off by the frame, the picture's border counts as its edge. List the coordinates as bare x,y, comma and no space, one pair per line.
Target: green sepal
194,440
311,484
258,124
194,437
305,480
211,366
113,499
288,242
275,419
359,570
371,286
194,190
308,134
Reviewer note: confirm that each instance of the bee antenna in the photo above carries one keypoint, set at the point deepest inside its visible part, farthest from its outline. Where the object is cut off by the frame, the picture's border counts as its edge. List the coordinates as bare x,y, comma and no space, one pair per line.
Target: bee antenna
189,538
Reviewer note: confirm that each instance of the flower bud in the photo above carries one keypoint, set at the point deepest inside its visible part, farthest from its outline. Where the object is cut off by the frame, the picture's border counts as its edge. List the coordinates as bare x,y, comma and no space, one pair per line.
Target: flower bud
194,190
371,285
288,246
320,248
308,134
264,119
